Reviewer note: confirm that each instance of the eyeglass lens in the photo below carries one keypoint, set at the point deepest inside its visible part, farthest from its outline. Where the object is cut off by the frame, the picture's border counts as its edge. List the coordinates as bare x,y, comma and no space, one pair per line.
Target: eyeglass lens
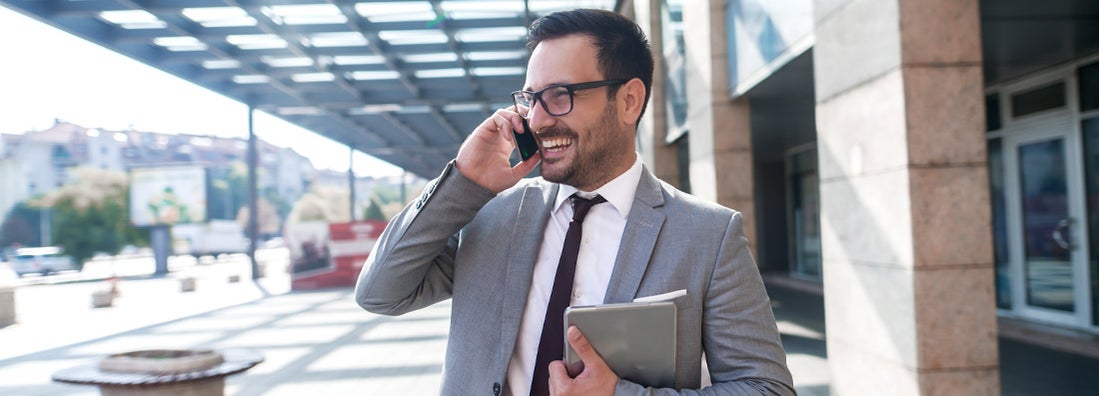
557,101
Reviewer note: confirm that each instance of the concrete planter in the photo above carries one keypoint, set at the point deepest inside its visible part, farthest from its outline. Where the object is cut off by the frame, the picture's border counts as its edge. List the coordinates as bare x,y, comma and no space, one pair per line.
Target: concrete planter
163,372
7,306
187,284
162,362
102,298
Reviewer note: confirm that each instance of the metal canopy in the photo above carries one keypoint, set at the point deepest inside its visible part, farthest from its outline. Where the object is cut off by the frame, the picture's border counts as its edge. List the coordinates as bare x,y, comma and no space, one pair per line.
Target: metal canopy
404,81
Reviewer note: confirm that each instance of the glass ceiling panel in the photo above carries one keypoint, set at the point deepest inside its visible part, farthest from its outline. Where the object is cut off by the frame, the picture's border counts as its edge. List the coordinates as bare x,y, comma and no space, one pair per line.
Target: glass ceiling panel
497,71
432,57
374,109
440,73
495,55
256,41
542,7
251,79
405,37
219,16
180,43
375,75
287,62
397,11
133,19
461,107
482,9
415,109
313,77
301,110
481,35
337,39
358,60
221,64
305,14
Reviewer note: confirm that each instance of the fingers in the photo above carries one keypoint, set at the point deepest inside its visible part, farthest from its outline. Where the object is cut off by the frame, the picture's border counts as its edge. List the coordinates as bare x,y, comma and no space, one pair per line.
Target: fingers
503,122
502,125
558,377
583,348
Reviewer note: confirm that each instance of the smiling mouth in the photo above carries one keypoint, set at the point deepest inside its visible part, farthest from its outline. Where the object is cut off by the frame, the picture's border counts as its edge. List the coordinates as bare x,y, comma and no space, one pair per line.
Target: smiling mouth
556,145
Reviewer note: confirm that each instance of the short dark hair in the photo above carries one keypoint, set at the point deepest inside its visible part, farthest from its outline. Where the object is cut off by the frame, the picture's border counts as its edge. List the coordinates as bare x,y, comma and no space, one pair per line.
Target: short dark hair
622,51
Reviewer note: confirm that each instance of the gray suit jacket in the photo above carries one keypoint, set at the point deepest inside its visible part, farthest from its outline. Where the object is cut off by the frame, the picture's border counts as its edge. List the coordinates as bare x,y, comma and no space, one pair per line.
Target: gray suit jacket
460,241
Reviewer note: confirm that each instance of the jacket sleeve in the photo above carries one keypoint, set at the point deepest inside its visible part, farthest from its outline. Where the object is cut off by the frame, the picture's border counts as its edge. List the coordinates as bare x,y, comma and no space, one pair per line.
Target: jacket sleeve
739,335
412,263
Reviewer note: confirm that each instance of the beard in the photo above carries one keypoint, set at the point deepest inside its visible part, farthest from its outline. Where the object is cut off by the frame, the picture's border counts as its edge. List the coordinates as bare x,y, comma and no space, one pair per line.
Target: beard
594,158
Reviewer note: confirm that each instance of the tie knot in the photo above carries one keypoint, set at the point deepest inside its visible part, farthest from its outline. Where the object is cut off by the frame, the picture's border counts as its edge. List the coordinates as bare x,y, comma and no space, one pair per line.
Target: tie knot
581,206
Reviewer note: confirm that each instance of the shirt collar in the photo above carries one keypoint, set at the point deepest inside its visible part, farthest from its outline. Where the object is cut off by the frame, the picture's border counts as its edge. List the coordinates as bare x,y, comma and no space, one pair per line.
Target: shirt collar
619,192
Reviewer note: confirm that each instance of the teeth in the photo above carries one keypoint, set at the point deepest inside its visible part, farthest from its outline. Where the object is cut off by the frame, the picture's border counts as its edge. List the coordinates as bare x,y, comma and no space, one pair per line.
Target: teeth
556,142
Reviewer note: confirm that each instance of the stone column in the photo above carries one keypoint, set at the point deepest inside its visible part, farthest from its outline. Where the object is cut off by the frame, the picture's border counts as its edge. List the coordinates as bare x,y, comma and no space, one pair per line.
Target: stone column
720,138
906,223
657,155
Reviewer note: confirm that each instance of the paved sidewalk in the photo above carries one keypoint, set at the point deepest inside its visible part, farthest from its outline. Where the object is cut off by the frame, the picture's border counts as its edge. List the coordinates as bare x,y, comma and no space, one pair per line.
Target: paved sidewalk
322,343
314,343
1038,363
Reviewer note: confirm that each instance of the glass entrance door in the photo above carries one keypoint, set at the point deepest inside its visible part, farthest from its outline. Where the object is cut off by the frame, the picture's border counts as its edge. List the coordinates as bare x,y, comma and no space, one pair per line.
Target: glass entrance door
1047,256
1043,190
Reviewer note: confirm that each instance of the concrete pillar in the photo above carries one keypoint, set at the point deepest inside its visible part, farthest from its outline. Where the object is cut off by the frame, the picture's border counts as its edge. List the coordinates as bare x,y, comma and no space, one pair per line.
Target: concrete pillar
720,138
906,223
652,130
7,306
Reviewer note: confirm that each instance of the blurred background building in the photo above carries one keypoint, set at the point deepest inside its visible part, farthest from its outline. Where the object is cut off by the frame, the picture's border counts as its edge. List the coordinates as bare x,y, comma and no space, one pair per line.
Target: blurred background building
933,165
35,163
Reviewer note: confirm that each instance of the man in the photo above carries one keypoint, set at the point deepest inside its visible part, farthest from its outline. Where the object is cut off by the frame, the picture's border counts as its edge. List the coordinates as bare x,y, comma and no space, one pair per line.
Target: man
492,241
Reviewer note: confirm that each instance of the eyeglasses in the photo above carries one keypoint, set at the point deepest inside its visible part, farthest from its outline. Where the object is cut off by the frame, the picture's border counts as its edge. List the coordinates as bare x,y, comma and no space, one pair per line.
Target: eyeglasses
555,99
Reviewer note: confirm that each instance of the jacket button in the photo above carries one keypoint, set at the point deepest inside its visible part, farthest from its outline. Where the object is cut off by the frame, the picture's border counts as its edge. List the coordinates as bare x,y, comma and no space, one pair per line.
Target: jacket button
496,389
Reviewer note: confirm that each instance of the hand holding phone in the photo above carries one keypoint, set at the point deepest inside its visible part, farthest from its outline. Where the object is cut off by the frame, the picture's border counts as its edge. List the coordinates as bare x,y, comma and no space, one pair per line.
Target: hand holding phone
525,142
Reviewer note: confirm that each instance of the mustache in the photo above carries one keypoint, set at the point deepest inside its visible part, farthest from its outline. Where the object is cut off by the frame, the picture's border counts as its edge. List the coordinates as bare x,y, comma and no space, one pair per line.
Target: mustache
555,132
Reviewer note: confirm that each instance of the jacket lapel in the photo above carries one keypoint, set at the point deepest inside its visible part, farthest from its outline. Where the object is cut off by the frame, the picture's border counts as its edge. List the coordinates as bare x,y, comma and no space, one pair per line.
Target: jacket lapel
638,240
525,242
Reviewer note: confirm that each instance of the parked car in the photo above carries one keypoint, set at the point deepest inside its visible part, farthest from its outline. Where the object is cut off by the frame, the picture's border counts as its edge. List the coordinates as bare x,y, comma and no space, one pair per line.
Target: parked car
41,260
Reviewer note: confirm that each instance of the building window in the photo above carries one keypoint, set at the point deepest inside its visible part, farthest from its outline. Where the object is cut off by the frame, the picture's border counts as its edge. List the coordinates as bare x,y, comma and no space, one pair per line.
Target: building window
805,212
675,66
683,157
762,36
1091,165
999,223
992,112
1038,100
1089,87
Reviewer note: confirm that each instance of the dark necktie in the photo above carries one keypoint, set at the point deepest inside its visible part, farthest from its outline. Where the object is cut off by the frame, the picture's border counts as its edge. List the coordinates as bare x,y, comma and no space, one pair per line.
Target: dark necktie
552,344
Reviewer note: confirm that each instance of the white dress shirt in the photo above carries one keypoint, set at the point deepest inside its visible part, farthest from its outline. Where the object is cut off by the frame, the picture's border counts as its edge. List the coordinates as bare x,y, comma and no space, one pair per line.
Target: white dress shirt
602,234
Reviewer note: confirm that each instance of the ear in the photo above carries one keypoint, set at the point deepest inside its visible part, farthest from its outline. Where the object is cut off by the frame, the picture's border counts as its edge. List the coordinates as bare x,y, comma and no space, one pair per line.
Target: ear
631,99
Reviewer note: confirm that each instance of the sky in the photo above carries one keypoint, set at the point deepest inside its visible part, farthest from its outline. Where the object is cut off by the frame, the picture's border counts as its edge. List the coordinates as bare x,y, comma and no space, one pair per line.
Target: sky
47,74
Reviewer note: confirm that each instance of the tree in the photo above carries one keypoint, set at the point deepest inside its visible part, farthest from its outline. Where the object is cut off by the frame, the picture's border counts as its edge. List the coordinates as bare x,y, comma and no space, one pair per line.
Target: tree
269,221
22,226
325,204
90,214
374,211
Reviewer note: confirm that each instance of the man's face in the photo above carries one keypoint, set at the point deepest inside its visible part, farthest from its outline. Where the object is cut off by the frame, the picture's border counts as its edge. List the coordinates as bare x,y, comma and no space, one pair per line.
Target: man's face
588,146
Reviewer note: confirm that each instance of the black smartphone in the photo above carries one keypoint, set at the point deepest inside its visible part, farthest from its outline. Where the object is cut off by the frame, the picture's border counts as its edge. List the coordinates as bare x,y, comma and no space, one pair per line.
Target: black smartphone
525,141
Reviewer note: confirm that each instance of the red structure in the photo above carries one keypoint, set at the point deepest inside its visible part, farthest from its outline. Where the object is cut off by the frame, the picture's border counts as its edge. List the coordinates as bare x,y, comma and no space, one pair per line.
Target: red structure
331,255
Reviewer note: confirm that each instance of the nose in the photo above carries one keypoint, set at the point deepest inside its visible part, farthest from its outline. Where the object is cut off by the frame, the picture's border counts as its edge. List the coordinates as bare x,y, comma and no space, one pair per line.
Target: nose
538,118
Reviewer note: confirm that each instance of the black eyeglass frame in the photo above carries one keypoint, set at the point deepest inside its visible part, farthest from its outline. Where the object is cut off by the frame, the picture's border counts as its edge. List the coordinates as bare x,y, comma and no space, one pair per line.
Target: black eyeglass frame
536,97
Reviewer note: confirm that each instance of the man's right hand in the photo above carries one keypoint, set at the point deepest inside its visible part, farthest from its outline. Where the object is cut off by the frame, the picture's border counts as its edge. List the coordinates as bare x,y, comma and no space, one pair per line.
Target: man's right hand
483,157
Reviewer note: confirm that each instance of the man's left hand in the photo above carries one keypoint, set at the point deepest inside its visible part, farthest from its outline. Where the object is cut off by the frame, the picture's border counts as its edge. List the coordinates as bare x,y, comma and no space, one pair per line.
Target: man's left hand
596,379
